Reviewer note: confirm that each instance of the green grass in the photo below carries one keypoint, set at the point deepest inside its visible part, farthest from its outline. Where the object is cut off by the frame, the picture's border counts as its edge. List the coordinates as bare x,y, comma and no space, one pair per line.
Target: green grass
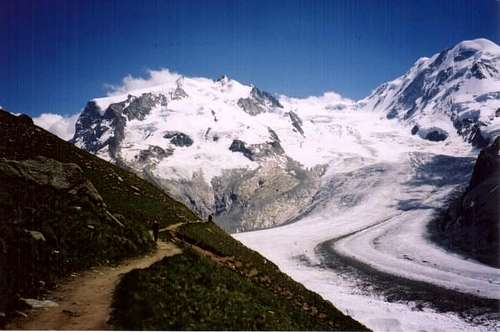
78,233
190,292
248,293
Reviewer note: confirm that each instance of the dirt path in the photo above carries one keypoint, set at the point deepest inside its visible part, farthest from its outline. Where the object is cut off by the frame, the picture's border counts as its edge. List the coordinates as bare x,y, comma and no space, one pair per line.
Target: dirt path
84,303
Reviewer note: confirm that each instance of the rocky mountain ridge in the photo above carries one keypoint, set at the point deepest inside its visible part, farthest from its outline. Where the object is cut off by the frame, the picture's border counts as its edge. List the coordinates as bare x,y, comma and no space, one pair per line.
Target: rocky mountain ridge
471,223
217,145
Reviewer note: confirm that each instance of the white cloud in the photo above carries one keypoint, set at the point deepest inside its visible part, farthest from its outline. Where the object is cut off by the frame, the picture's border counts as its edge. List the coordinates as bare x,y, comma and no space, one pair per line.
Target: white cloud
154,78
328,99
59,125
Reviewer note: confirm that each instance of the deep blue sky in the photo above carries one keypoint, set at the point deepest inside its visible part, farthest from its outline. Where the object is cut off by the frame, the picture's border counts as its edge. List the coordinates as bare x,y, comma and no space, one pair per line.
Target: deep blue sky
55,55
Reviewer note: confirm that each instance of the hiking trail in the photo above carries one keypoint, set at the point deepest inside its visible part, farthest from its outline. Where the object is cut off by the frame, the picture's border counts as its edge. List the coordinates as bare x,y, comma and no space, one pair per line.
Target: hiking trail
84,300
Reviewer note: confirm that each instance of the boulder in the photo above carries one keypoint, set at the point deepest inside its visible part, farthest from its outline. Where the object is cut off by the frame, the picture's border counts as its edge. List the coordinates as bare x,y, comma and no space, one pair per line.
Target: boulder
36,235
37,304
49,172
240,146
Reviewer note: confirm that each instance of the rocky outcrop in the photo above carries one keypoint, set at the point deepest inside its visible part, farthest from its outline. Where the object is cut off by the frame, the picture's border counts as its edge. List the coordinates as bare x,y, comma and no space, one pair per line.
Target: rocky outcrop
258,102
153,153
259,151
240,146
196,193
96,129
296,122
179,93
433,134
139,107
179,139
472,222
265,98
266,197
243,200
49,172
470,130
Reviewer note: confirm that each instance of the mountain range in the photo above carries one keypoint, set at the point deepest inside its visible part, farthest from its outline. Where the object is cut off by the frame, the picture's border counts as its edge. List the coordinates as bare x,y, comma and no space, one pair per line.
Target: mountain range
256,160
381,209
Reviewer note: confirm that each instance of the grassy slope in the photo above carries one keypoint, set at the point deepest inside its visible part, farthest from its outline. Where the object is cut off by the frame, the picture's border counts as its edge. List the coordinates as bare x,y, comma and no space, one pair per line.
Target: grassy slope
28,266
218,284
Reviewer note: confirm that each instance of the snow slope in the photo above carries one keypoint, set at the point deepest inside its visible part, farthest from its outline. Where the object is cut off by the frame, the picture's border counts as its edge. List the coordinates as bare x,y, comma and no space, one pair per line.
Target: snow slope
452,95
374,208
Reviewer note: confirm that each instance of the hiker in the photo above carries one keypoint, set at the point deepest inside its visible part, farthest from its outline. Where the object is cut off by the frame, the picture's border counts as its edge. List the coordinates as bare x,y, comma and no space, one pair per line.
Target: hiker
156,230
210,218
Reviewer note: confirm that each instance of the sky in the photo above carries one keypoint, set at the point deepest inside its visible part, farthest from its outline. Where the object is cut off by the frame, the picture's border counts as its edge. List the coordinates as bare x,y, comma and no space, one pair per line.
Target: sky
55,55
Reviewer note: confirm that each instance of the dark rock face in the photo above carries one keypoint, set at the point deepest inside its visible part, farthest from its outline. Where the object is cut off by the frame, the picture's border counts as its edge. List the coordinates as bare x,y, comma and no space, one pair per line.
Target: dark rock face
436,135
259,151
91,126
472,222
222,78
258,102
487,165
488,96
155,152
477,72
117,124
179,93
88,128
465,53
265,98
483,69
440,59
296,122
470,130
240,146
141,106
250,106
392,114
178,138
414,130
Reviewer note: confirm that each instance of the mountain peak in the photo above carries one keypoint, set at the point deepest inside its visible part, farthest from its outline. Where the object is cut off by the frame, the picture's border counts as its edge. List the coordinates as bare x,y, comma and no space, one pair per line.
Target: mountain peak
454,94
223,79
480,44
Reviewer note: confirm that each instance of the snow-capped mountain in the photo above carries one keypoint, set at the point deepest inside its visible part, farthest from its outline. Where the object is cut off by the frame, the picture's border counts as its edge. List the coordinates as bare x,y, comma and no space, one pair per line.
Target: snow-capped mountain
256,160
219,146
453,93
